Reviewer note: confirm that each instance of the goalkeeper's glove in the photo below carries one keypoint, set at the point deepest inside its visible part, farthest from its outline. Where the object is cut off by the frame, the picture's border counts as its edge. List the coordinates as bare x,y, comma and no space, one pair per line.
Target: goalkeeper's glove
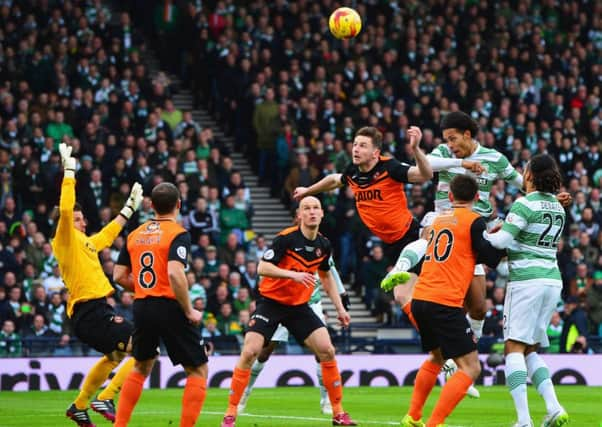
133,201
345,301
68,162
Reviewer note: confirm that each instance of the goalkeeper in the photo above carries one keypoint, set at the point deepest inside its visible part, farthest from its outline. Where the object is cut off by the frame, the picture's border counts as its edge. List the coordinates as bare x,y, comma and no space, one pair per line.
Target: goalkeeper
94,320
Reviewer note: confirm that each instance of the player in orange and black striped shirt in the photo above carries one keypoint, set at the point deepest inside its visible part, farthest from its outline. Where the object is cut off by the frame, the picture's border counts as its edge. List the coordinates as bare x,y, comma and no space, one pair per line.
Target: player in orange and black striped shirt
288,269
456,244
377,183
152,263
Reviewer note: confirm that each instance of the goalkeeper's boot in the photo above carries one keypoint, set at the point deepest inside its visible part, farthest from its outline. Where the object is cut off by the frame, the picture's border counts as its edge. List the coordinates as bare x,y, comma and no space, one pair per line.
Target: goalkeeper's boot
106,408
343,419
518,424
229,421
394,278
243,402
80,416
559,418
450,368
408,421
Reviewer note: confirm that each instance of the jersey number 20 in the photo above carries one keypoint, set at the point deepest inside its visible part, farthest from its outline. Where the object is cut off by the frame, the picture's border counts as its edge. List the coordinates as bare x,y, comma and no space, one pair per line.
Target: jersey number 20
443,235
147,277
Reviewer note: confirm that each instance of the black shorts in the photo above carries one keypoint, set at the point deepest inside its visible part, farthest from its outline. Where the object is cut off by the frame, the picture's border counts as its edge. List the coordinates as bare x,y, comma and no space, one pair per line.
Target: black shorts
163,318
96,324
300,320
393,250
443,327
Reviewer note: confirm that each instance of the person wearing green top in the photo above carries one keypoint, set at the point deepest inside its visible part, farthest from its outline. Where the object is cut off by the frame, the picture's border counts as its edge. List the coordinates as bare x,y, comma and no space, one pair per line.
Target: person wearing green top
281,335
530,234
10,341
57,128
171,115
554,333
232,219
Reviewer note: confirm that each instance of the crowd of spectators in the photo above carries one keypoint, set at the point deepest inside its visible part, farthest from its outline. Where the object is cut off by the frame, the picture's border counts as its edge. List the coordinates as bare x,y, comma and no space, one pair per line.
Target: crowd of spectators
292,97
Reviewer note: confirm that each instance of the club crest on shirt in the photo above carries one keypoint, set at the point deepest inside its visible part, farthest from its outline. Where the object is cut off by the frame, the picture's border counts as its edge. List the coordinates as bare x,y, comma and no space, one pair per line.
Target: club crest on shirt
152,226
318,252
269,254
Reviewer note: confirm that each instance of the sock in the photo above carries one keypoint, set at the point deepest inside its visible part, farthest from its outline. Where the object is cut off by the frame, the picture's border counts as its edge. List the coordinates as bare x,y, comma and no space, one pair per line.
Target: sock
423,384
407,309
476,326
333,384
96,376
193,398
323,392
132,389
516,379
239,382
540,376
452,393
255,371
117,381
411,255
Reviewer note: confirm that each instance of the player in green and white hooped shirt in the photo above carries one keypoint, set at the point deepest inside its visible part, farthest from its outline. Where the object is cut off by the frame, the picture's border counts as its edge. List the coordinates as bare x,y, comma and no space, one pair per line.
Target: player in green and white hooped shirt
460,156
281,335
530,234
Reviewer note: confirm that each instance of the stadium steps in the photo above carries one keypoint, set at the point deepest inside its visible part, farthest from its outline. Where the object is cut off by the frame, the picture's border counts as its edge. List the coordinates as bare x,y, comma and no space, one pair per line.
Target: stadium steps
270,215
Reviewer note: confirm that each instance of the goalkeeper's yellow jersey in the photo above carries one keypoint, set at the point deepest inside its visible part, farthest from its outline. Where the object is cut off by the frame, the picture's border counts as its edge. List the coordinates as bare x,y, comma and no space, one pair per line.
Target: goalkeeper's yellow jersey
77,254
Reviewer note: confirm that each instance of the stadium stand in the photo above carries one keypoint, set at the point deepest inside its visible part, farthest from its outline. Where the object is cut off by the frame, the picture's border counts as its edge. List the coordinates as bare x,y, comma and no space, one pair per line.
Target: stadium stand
258,98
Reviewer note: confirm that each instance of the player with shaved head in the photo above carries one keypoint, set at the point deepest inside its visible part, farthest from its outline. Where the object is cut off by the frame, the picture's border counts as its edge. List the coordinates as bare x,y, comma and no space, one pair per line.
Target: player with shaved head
288,270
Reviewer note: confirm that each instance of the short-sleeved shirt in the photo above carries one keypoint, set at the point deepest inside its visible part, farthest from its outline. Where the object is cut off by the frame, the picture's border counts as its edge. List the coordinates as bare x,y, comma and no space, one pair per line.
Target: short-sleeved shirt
148,250
291,250
455,246
380,198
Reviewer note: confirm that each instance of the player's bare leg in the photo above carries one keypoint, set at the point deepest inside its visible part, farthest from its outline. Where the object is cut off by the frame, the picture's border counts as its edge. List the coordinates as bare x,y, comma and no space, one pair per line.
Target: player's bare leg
475,306
251,349
256,369
319,342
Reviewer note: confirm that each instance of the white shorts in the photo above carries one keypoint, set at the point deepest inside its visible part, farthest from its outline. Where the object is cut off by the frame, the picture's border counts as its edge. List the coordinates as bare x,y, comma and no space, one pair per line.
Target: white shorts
527,312
281,334
428,219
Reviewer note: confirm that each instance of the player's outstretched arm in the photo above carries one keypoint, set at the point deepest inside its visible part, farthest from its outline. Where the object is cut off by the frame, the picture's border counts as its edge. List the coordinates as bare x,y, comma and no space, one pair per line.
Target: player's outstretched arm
271,270
64,229
105,237
422,171
329,182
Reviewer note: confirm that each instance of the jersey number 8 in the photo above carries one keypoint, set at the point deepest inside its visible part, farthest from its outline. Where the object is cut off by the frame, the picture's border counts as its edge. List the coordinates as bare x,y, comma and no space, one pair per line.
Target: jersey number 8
147,277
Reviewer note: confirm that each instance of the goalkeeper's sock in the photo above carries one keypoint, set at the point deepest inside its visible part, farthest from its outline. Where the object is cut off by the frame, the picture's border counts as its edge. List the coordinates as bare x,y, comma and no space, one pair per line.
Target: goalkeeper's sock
333,384
407,309
452,393
540,377
117,381
96,376
423,384
193,398
323,392
410,256
132,389
476,326
239,382
516,379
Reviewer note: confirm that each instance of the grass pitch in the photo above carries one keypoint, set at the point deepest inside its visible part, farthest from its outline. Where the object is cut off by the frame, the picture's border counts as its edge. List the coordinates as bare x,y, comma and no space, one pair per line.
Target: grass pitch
299,407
